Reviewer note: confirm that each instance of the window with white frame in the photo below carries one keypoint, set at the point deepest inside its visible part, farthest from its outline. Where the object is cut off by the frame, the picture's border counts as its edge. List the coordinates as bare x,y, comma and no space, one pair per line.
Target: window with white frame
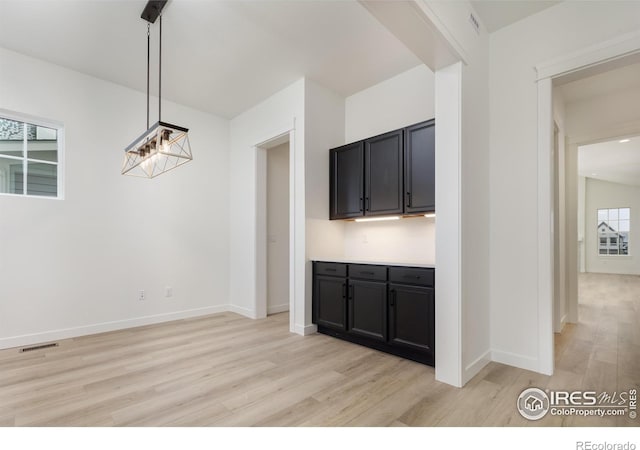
614,225
29,157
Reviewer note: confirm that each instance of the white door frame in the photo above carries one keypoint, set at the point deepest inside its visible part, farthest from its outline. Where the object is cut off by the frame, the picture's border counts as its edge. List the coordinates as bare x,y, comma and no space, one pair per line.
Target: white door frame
604,52
278,137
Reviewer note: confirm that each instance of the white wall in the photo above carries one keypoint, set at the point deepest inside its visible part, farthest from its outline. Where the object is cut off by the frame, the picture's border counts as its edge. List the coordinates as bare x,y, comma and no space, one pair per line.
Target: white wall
403,100
597,117
409,240
75,266
282,112
515,50
475,176
600,195
278,229
325,126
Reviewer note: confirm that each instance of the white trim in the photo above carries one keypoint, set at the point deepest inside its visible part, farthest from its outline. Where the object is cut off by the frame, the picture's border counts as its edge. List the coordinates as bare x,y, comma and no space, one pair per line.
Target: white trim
515,360
67,333
476,366
306,330
275,309
618,47
545,227
246,312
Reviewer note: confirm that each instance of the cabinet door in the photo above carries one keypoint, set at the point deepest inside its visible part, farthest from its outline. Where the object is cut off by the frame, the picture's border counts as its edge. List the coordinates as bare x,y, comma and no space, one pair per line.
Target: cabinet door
411,317
383,163
329,302
419,174
346,185
367,309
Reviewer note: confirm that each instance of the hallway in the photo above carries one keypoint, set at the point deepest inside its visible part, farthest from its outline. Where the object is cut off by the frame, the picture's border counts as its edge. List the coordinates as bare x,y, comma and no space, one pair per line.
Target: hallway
602,351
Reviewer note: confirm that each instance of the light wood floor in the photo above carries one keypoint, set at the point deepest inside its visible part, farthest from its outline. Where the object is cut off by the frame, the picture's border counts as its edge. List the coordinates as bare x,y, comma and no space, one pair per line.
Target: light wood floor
226,370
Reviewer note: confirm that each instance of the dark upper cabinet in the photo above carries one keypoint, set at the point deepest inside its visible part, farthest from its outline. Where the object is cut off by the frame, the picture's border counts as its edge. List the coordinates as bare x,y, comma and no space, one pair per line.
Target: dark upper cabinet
383,180
411,313
330,299
390,174
367,309
346,184
419,168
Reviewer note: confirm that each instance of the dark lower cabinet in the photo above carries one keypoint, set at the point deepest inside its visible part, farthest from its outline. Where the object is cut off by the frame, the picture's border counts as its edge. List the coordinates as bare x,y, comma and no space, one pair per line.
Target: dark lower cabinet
367,309
410,308
330,301
388,308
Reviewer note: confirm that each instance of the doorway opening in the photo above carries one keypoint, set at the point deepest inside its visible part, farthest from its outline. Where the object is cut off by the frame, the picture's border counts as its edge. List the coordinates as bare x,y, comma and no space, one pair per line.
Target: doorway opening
595,308
278,229
274,225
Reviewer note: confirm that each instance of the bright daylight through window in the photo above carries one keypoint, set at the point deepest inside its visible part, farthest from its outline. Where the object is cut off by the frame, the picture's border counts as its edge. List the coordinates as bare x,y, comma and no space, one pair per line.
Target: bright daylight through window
613,231
29,158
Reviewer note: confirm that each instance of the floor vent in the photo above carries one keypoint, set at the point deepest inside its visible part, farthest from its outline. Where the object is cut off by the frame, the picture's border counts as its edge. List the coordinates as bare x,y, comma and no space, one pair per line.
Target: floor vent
38,347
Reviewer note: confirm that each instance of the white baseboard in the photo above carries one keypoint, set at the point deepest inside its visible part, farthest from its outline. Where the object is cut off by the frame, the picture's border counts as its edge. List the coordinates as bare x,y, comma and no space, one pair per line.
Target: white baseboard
275,309
67,333
476,366
515,360
250,313
305,330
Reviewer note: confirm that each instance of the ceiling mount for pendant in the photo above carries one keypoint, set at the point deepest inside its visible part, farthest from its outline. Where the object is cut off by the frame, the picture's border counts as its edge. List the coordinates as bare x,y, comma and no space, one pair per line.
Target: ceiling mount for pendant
163,146
152,10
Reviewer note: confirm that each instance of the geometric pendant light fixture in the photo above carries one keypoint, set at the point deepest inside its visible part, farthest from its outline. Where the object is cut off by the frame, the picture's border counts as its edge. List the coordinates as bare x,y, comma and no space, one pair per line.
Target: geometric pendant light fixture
163,146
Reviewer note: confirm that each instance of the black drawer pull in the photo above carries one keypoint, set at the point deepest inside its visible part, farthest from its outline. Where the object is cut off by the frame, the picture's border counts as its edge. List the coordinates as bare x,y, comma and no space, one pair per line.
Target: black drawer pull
367,273
344,290
330,270
417,277
392,300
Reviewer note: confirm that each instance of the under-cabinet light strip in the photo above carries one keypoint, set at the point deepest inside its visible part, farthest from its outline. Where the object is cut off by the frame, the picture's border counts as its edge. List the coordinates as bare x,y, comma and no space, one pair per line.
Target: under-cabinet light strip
377,219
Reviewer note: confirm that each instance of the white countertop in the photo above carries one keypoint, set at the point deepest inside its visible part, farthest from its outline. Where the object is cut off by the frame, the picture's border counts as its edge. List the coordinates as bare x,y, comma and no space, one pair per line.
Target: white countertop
377,263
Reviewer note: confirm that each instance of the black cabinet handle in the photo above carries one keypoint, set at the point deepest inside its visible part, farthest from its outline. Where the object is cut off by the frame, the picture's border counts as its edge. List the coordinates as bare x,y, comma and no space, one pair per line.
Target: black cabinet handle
417,277
344,290
408,199
368,204
367,273
351,291
392,299
361,204
329,270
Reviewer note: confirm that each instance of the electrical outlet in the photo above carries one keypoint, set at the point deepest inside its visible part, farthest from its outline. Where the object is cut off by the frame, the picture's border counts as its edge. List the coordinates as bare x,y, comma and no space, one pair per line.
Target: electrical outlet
168,291
142,295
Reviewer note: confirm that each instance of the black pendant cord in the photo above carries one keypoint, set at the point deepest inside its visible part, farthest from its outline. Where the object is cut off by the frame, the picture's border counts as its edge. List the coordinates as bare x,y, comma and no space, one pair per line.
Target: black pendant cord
160,73
148,60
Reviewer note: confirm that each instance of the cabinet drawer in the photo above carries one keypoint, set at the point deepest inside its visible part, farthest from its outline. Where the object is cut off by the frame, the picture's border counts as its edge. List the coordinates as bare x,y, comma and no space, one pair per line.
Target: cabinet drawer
368,272
331,269
408,275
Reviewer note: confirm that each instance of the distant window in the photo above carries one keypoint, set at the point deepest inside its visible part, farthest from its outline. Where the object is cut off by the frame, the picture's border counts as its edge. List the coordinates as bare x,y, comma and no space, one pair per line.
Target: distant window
614,225
29,157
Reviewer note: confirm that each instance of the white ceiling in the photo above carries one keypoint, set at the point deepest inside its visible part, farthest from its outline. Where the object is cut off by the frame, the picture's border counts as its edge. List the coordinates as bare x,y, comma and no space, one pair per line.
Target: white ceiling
610,82
218,56
498,14
611,161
